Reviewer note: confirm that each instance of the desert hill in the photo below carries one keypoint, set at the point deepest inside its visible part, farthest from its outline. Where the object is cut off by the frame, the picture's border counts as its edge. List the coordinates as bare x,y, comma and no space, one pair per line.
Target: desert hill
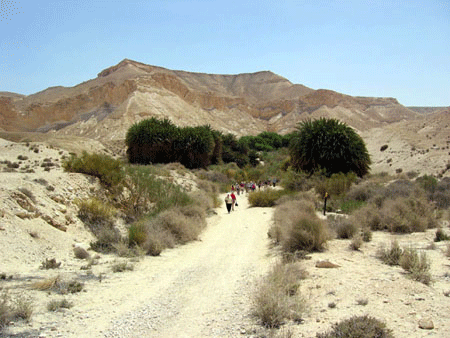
104,107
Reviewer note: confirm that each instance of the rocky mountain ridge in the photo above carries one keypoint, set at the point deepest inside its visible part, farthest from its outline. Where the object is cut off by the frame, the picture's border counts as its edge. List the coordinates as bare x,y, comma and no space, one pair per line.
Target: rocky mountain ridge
241,104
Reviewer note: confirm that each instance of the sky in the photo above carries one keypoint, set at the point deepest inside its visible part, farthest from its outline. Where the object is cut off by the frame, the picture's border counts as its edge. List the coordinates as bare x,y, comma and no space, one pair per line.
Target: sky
389,48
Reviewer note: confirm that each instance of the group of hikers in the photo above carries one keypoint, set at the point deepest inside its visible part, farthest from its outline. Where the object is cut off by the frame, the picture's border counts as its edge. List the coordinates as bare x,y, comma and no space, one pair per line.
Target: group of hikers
238,188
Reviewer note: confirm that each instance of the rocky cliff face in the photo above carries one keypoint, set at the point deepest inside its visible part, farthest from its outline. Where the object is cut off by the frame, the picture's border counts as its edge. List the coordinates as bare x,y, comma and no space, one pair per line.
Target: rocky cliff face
103,108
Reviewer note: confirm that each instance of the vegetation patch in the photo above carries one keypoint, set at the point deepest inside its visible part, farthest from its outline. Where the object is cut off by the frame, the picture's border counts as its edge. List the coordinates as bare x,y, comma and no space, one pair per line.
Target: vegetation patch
358,326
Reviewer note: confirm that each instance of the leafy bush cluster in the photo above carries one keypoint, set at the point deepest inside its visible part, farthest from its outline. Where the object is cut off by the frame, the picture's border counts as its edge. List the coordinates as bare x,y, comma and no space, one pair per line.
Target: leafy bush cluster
328,145
265,198
160,141
108,170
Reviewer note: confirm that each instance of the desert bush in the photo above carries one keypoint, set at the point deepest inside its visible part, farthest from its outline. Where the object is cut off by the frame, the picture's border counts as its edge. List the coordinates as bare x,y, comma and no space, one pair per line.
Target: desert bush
344,227
358,327
107,238
107,169
12,309
336,185
366,234
122,266
176,225
137,234
308,233
417,265
81,253
409,259
406,215
441,235
392,255
276,299
287,213
58,285
95,212
50,264
56,305
265,198
150,194
356,242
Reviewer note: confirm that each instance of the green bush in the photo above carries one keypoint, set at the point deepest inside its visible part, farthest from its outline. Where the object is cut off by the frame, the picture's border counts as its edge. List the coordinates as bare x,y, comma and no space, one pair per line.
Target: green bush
330,145
358,327
108,170
265,198
150,194
441,236
94,211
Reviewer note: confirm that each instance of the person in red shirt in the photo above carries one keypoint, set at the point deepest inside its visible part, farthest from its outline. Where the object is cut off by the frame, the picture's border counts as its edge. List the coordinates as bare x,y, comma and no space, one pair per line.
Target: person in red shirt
233,197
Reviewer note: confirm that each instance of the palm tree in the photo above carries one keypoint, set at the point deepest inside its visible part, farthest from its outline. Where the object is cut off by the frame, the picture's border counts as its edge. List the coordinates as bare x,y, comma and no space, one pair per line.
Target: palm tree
328,145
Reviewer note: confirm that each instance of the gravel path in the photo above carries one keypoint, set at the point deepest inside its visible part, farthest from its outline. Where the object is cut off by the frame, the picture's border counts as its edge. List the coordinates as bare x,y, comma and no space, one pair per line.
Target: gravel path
203,289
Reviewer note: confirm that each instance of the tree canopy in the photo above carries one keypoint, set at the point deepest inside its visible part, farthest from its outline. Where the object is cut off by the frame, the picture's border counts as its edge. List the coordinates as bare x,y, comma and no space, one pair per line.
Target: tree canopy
329,145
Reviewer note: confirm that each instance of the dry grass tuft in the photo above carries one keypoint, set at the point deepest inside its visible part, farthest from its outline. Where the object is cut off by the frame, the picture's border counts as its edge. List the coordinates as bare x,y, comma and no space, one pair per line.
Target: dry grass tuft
276,298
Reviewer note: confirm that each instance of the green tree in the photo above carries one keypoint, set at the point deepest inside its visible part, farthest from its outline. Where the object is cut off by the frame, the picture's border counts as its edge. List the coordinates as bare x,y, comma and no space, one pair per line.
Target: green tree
328,145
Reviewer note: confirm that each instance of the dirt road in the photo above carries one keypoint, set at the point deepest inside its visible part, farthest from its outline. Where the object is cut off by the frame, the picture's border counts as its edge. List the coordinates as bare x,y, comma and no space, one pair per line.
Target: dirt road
198,290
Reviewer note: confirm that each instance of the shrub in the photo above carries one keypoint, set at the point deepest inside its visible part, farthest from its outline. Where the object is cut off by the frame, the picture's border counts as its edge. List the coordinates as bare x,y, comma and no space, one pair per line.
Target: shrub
287,213
56,305
406,215
308,233
137,234
344,228
330,145
441,235
356,242
95,212
358,326
391,256
50,264
19,308
276,299
81,253
108,170
417,265
149,194
265,198
122,266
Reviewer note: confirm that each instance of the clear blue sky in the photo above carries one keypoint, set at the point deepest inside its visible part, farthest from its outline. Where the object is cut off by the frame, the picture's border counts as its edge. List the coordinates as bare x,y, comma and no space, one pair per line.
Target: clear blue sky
387,48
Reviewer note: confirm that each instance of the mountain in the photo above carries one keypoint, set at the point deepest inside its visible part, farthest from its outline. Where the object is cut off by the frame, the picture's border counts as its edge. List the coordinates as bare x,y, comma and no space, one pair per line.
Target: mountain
103,108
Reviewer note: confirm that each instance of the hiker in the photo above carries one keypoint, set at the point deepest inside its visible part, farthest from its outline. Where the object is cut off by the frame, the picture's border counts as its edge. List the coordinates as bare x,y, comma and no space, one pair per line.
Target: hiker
325,197
233,199
228,202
